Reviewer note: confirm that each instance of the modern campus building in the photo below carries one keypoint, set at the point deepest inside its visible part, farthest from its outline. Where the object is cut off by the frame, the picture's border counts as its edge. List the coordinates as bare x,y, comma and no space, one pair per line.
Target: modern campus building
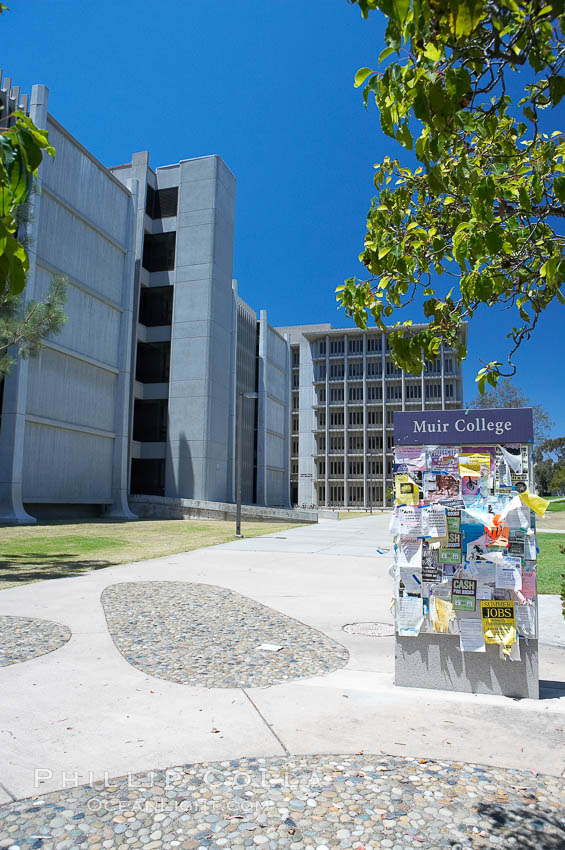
138,394
345,390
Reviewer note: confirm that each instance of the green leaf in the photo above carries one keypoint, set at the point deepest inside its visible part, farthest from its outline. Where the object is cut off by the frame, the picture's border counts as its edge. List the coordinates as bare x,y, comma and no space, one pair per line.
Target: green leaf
432,52
556,89
401,9
361,76
385,54
559,188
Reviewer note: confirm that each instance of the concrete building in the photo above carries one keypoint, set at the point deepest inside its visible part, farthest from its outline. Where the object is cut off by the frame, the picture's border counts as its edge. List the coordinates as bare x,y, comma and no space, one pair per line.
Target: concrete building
65,414
138,392
345,389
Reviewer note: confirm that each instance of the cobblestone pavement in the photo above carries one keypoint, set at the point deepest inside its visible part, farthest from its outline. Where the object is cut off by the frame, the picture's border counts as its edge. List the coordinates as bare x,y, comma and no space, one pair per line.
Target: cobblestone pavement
199,634
318,801
22,638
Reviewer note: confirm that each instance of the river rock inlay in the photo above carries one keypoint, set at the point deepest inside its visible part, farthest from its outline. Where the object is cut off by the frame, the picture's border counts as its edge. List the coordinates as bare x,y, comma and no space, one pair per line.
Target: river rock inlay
208,636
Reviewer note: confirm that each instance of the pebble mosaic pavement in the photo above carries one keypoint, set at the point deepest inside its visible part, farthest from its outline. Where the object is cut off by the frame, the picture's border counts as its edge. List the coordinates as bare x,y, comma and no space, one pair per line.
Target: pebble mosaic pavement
318,801
200,634
22,638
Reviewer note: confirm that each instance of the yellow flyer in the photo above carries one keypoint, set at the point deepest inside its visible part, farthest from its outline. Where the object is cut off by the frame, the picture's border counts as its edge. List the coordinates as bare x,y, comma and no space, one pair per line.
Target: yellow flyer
470,464
499,622
406,490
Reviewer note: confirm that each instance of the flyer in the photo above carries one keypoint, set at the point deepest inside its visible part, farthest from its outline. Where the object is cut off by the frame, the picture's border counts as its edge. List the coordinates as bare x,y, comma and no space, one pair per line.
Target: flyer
441,614
413,456
471,637
410,521
529,581
409,615
431,569
526,620
411,579
470,464
486,453
444,459
406,491
499,623
464,594
410,552
516,542
441,485
434,521
450,556
509,574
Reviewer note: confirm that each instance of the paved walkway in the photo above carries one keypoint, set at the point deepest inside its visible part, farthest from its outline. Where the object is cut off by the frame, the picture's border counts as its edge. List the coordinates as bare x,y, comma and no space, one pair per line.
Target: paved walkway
83,712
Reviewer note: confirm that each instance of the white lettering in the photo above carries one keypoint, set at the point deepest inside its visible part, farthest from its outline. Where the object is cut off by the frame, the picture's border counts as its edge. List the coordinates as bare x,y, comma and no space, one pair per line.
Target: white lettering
459,422
507,426
419,427
490,426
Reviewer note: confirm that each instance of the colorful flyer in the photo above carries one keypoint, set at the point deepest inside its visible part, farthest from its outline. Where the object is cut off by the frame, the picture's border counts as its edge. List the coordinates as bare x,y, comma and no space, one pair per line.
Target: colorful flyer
450,556
441,485
470,464
441,614
482,451
444,459
406,491
413,456
463,594
499,622
529,581
410,521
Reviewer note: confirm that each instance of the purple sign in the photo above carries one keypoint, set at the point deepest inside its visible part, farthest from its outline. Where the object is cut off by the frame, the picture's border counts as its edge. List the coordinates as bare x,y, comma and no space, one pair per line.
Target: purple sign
464,427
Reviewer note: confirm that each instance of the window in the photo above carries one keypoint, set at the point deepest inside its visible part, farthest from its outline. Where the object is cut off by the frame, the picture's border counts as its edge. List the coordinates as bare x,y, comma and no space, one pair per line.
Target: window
355,346
295,358
355,393
356,443
355,468
156,305
394,392
161,203
295,381
374,368
374,417
373,344
153,359
336,346
374,393
321,468
356,418
449,391
336,419
159,251
295,401
295,424
433,390
150,420
355,369
336,394
336,468
336,443
414,391
148,477
294,447
336,371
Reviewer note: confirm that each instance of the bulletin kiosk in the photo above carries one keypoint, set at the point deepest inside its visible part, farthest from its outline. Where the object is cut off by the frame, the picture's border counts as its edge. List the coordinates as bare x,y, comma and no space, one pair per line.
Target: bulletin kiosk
465,551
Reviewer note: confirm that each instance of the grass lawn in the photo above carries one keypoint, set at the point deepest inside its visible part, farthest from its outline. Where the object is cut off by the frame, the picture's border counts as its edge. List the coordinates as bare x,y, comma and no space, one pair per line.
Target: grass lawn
59,549
551,563
354,514
556,506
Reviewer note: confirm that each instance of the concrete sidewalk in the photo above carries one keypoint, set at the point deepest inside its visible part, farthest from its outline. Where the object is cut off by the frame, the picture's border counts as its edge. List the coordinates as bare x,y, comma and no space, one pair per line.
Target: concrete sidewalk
83,711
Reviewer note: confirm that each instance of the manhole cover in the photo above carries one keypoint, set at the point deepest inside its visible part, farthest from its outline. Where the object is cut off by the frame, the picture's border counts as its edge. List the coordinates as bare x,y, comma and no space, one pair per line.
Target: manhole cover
369,629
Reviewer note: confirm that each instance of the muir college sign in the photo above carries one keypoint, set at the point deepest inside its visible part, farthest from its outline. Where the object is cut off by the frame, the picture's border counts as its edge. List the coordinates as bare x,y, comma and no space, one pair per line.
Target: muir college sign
449,427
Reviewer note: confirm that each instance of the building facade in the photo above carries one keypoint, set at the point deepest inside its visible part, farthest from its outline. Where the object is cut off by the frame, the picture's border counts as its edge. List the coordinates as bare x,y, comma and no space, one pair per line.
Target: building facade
138,392
345,390
64,437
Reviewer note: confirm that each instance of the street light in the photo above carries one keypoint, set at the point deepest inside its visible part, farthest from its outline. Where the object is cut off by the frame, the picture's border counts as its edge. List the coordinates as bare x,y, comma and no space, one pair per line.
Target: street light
238,446
369,480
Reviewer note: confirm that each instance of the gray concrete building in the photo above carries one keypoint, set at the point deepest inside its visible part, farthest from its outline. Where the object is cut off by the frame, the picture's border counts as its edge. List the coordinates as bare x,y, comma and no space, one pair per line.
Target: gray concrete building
345,389
65,413
138,392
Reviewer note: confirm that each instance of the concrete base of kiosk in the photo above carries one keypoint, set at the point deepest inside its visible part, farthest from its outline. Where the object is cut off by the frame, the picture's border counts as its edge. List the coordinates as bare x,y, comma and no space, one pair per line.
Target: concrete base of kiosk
435,661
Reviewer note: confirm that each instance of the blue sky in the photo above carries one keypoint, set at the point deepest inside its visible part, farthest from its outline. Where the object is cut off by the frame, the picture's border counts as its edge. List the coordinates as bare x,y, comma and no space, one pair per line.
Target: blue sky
269,87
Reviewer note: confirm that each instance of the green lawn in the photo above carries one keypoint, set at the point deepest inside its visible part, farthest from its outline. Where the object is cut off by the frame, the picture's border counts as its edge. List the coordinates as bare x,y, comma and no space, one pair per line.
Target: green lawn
59,549
556,506
551,563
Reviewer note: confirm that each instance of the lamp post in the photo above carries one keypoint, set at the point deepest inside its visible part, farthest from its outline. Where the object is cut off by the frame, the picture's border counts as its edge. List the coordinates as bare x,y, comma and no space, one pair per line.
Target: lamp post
238,453
369,480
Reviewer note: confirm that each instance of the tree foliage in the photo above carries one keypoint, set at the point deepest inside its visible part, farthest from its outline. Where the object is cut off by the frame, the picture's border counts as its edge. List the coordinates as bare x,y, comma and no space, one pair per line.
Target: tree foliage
22,326
484,206
507,394
549,460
